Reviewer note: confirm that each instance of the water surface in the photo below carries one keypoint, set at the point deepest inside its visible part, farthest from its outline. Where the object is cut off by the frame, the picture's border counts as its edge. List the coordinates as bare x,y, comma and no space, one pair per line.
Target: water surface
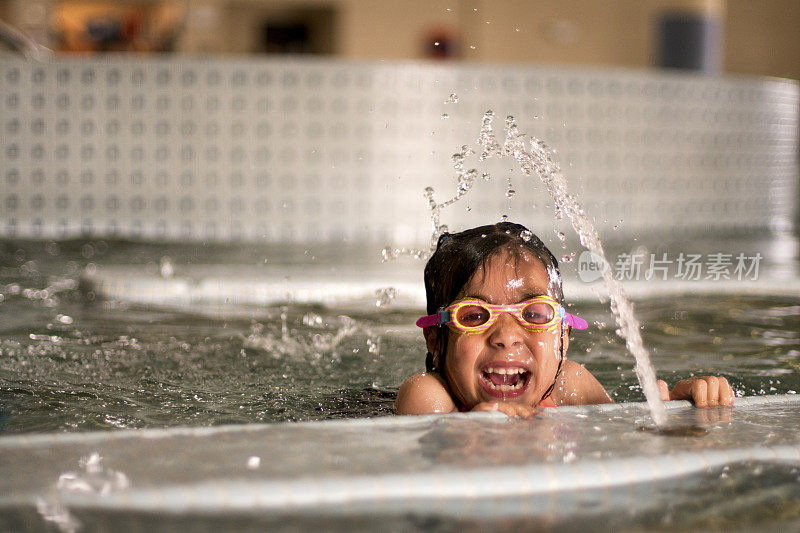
72,363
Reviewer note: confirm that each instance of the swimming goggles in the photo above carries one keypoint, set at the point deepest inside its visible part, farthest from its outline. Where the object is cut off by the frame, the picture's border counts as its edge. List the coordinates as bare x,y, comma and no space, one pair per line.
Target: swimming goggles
476,316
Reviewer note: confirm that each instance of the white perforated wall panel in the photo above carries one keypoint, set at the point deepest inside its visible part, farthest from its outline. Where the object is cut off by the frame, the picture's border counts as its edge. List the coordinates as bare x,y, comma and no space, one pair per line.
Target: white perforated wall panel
321,150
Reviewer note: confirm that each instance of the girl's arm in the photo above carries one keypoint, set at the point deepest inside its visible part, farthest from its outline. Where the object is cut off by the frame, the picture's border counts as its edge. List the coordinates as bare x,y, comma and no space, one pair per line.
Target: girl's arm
424,393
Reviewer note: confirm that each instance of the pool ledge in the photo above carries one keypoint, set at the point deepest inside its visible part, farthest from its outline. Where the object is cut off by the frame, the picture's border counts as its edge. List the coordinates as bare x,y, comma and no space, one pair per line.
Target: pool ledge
390,460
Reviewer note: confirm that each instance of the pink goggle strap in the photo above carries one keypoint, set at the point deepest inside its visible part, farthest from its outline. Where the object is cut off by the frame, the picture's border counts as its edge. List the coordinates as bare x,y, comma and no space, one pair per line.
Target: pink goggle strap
575,321
442,317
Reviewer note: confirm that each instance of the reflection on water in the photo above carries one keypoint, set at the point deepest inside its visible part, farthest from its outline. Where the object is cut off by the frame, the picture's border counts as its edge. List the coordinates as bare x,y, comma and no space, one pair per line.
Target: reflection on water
68,362
676,431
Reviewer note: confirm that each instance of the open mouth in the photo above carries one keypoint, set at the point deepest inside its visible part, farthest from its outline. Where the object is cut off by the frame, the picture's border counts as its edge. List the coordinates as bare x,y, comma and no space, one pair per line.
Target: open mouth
504,381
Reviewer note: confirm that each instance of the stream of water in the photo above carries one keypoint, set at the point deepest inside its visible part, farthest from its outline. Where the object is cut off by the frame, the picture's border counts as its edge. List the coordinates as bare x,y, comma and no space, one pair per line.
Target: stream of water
533,157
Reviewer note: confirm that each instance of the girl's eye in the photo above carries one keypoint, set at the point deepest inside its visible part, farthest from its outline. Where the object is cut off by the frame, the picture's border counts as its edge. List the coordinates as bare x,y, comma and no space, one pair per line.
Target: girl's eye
538,313
472,315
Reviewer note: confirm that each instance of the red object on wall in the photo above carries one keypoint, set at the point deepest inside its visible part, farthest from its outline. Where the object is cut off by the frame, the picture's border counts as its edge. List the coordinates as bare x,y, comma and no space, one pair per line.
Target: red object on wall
441,43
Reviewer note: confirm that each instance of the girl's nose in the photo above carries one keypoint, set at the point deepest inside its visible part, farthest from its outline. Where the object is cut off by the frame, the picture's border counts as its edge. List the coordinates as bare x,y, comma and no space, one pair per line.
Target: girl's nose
506,332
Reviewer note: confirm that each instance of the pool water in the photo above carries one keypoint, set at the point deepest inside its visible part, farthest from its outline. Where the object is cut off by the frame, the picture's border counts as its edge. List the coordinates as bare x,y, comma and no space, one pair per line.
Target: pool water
71,362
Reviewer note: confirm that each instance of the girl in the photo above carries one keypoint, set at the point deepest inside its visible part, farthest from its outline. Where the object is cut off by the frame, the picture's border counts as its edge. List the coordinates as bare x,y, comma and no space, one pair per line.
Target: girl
498,291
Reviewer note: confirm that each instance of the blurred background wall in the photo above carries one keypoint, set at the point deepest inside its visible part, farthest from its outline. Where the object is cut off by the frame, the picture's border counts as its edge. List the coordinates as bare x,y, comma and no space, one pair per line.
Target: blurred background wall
220,129
731,36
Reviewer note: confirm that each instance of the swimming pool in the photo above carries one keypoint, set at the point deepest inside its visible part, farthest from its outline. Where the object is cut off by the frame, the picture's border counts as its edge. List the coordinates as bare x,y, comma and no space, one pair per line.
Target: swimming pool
74,362
212,369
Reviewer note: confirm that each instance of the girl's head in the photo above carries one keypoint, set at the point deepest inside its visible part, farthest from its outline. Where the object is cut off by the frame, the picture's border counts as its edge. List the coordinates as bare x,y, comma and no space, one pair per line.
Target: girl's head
504,263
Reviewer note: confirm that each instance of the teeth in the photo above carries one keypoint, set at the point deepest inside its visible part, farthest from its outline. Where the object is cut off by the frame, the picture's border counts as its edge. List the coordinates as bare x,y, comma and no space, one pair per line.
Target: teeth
502,371
505,388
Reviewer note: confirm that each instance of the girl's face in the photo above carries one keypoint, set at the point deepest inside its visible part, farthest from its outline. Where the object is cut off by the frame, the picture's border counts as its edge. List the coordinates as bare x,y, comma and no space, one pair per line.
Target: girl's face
507,362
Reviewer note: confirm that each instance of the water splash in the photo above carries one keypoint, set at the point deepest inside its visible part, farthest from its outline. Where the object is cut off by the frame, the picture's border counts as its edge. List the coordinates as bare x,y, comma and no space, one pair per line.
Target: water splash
534,157
385,296
510,192
284,341
52,510
389,253
91,478
323,342
465,180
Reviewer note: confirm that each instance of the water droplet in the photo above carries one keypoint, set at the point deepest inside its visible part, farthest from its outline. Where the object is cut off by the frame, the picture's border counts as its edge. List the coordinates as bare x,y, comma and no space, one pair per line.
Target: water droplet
385,296
526,235
510,193
560,235
312,320
165,267
374,345
566,258
453,99
445,116
284,323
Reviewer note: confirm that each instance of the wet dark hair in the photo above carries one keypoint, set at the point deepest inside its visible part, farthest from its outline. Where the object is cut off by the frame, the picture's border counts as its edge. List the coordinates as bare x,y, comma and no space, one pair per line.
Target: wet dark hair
459,255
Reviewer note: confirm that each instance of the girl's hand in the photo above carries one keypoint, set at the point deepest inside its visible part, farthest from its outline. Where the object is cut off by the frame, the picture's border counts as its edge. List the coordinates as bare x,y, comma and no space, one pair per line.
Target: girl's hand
510,409
706,391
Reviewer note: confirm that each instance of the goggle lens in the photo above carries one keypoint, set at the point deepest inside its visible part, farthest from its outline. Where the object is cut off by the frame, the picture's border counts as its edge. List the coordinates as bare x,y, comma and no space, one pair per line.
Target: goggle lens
538,313
474,315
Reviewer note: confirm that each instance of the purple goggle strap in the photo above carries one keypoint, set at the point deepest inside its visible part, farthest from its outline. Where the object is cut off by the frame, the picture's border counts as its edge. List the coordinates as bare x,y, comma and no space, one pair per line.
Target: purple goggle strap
443,317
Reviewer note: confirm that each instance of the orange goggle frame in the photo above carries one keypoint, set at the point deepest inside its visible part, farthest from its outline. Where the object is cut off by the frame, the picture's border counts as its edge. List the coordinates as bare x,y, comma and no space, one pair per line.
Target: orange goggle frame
476,316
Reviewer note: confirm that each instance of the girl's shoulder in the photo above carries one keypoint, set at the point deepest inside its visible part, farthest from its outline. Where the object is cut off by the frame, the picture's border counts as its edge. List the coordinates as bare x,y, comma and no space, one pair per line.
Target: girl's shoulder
575,385
424,393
